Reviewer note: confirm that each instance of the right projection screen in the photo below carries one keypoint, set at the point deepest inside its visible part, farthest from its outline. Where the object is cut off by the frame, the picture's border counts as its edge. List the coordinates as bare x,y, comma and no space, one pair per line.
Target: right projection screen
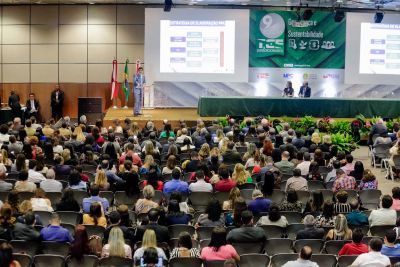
372,49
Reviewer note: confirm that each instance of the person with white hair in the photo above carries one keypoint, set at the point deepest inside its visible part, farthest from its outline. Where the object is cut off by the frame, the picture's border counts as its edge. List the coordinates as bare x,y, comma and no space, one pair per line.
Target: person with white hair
310,231
83,119
377,129
50,184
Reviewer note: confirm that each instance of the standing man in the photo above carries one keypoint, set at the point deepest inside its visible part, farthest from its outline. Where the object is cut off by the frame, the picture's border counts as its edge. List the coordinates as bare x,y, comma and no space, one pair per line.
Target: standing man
305,90
139,81
32,106
288,91
57,101
13,103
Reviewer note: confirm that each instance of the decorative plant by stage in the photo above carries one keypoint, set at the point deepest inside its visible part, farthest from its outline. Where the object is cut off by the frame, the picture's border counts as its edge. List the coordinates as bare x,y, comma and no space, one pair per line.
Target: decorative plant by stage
344,142
324,124
340,127
223,121
375,119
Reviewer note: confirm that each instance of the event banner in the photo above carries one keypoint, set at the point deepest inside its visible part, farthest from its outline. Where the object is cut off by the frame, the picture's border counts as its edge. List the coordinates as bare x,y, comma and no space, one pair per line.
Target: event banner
281,39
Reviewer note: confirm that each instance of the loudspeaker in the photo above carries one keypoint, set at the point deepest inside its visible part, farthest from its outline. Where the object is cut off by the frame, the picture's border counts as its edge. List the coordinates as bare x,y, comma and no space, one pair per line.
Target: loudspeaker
91,107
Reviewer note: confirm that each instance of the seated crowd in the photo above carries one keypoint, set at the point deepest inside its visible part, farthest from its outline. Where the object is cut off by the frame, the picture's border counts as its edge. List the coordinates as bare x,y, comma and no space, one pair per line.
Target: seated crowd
86,168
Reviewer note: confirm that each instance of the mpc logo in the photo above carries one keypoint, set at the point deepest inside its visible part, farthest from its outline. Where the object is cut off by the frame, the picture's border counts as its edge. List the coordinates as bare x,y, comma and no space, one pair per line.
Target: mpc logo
263,75
288,75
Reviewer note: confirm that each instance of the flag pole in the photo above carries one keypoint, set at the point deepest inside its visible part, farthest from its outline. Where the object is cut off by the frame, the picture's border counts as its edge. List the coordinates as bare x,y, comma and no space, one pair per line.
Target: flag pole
114,77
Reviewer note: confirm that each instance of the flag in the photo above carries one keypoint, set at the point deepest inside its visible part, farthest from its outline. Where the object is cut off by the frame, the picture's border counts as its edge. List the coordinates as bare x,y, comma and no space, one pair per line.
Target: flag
125,85
114,80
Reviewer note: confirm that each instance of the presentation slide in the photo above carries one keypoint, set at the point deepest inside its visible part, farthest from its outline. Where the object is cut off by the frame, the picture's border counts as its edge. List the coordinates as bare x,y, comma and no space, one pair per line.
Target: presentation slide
372,49
380,48
197,46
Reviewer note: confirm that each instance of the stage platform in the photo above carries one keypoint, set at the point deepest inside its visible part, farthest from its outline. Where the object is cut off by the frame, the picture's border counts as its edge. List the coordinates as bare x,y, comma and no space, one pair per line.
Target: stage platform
157,115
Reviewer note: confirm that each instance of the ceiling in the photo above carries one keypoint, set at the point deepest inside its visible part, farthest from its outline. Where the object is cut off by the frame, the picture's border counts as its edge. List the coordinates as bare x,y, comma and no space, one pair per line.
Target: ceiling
389,5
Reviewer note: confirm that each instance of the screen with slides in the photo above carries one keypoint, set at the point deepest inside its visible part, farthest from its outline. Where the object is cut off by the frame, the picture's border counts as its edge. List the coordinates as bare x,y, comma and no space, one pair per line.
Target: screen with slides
196,45
380,48
372,49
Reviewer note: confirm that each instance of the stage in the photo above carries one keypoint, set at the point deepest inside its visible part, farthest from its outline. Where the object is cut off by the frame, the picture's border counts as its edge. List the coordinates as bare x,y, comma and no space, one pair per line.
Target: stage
157,115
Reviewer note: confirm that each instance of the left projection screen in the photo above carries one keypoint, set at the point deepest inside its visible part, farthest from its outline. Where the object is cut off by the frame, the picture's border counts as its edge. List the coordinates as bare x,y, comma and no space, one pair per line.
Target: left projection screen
197,45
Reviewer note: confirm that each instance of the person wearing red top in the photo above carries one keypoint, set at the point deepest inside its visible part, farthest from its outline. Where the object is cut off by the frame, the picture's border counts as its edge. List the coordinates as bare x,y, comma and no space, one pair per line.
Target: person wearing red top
355,247
136,160
152,180
225,183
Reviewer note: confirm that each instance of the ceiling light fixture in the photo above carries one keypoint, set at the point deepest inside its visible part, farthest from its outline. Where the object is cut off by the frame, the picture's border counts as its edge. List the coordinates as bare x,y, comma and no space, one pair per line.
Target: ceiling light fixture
339,15
378,16
307,14
168,5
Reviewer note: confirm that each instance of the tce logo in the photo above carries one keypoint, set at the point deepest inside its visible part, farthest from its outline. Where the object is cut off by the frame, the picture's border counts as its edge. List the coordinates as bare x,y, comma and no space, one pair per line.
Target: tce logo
269,43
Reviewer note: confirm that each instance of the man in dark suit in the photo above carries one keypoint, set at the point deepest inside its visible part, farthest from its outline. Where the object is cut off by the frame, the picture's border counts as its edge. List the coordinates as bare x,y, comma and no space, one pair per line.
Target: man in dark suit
13,103
230,156
247,233
57,101
310,231
32,106
305,90
162,233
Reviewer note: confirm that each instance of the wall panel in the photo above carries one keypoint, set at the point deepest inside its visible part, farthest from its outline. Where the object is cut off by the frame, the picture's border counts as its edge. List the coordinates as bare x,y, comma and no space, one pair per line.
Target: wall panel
74,45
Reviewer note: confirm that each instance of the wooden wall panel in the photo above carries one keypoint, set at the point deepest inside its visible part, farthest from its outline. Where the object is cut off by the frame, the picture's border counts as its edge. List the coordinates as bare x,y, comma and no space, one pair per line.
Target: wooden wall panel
72,92
42,93
22,89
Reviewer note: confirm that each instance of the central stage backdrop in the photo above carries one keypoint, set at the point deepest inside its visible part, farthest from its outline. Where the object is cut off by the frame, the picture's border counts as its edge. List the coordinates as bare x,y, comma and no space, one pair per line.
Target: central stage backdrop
283,47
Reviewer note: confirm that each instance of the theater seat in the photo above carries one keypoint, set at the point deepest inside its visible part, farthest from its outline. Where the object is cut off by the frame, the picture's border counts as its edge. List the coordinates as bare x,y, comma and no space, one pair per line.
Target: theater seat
87,261
115,261
185,262
254,260
47,260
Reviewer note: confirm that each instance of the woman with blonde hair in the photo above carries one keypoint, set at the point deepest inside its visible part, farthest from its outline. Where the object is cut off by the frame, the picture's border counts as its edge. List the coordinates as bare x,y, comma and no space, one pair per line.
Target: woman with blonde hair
316,138
251,150
223,145
101,180
4,158
146,203
341,230
79,134
148,162
24,208
326,143
116,246
134,130
219,135
40,202
204,151
149,241
234,194
240,175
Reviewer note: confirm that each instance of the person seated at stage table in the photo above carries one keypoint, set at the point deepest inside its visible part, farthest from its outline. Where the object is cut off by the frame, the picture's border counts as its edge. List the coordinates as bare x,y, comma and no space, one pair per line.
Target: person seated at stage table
305,90
288,91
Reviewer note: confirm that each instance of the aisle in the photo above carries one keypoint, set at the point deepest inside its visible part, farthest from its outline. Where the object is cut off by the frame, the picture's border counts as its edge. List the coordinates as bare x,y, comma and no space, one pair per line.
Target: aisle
384,185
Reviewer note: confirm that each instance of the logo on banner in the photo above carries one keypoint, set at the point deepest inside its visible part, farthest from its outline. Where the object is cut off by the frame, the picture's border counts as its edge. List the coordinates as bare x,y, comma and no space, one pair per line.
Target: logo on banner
288,75
263,75
271,36
331,76
309,76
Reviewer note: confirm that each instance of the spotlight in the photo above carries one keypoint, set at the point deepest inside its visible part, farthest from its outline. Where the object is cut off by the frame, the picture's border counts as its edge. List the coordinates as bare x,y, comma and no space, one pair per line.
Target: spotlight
378,17
339,15
307,14
168,5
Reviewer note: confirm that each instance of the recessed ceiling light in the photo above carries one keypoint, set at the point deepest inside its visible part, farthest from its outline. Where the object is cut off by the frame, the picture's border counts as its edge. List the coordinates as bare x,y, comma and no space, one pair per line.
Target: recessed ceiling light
141,2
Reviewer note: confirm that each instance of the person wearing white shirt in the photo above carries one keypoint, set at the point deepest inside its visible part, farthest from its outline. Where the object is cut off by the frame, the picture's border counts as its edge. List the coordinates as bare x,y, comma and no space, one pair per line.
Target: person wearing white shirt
34,176
374,257
181,138
384,215
305,165
303,260
4,136
51,185
200,185
331,176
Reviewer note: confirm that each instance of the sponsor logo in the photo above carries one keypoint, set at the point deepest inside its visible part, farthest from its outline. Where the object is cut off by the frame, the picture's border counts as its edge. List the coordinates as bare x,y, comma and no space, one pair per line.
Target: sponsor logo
331,76
263,75
288,75
309,76
270,41
288,65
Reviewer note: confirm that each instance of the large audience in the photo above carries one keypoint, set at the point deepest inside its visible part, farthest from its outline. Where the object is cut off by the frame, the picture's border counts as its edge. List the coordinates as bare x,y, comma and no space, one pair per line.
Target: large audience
207,191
